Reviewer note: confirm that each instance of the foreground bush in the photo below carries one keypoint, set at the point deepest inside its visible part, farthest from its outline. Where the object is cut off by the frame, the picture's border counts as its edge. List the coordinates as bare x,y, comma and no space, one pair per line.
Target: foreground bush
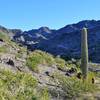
4,36
19,86
38,57
73,87
3,49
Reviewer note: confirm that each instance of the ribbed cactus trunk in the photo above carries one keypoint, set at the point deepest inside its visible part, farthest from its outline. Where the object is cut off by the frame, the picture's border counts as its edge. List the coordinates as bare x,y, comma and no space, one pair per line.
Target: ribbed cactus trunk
84,53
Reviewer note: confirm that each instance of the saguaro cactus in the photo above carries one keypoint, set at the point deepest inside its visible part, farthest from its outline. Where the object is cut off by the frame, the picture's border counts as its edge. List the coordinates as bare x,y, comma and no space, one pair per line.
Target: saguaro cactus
84,53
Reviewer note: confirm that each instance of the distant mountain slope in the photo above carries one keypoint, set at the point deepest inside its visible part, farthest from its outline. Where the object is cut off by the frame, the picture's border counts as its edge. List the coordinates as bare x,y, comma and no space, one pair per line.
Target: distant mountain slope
33,36
64,41
67,40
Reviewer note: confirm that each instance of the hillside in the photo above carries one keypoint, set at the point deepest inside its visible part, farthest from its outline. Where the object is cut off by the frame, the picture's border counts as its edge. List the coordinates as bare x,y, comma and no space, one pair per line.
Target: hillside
64,41
38,75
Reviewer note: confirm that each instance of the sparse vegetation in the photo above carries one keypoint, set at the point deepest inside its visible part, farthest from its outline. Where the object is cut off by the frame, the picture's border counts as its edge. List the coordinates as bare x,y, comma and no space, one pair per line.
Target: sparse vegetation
17,86
73,87
20,86
3,49
44,94
4,36
60,63
38,57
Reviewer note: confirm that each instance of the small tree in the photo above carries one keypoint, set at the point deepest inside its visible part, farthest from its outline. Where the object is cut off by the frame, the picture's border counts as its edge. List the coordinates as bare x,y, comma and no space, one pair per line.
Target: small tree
84,53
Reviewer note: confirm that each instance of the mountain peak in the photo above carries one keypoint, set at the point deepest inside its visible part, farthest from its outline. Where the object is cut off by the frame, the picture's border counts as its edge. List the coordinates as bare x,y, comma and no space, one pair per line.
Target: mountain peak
44,29
78,26
87,23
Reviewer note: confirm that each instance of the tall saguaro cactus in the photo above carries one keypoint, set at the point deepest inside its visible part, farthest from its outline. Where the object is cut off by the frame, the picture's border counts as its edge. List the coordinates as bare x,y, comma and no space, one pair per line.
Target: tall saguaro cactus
84,53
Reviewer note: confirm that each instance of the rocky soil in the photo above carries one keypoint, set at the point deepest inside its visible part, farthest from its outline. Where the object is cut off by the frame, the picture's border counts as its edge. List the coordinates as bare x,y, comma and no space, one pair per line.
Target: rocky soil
11,61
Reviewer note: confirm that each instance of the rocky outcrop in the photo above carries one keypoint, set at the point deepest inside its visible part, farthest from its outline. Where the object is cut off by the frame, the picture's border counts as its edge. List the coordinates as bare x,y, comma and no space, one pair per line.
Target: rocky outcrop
33,36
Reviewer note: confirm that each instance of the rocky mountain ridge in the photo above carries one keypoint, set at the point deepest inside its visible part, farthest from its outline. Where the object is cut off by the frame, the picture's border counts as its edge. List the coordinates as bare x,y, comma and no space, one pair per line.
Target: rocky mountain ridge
64,41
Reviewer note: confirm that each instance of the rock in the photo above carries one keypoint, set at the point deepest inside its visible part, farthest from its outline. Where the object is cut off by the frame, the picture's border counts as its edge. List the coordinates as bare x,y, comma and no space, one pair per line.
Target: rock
47,73
97,96
68,74
72,70
61,69
1,40
94,69
10,62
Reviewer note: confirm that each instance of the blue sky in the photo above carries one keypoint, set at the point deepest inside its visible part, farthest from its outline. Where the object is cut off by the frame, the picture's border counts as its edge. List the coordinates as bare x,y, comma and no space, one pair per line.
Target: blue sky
29,14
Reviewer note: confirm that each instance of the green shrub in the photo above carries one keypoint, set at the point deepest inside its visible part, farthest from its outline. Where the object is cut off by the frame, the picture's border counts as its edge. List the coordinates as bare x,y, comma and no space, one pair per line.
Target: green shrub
44,94
18,86
3,49
60,62
73,87
38,57
98,74
4,36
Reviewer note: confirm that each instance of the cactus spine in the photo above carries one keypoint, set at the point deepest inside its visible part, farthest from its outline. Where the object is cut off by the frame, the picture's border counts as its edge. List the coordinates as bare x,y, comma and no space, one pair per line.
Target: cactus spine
84,53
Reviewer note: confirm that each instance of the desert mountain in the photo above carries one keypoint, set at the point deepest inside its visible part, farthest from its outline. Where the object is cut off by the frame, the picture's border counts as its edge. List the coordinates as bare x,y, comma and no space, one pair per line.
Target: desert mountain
64,41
